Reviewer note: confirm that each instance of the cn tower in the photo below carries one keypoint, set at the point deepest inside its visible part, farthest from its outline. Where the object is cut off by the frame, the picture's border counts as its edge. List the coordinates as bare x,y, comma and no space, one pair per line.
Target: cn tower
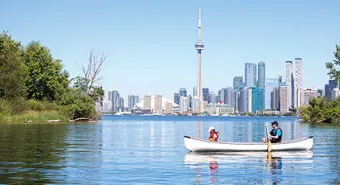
199,47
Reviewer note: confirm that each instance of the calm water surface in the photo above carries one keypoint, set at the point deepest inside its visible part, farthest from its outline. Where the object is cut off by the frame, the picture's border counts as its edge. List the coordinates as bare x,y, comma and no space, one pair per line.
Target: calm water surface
150,150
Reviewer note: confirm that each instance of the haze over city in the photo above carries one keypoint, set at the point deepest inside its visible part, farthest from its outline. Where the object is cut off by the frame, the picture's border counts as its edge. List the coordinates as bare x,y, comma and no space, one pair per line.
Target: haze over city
150,44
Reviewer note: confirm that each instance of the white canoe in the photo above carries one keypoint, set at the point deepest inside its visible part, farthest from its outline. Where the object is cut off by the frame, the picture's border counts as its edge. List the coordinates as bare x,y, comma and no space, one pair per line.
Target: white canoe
200,145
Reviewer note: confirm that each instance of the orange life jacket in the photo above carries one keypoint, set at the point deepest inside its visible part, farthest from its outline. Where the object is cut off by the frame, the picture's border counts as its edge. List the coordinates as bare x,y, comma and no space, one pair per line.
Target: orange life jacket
211,137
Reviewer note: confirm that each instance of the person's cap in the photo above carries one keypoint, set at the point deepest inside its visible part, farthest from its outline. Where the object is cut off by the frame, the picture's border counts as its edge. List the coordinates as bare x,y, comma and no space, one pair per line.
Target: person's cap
211,128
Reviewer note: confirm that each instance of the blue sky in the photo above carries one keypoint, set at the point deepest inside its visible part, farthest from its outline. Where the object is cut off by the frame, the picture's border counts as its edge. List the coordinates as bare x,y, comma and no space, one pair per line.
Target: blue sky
150,44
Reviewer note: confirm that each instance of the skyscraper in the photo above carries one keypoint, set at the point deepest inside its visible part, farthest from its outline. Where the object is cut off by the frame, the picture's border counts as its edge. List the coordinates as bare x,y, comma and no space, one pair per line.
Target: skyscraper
114,98
121,104
237,82
223,94
250,74
261,75
243,103
212,98
147,102
158,104
328,89
195,104
289,80
199,47
297,82
183,92
176,98
262,79
184,104
284,99
271,83
190,101
275,98
256,99
205,94
132,101
307,95
229,96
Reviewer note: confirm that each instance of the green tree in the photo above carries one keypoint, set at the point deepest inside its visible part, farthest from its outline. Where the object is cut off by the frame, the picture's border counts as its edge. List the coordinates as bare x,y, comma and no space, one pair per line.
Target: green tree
12,68
45,79
334,73
77,105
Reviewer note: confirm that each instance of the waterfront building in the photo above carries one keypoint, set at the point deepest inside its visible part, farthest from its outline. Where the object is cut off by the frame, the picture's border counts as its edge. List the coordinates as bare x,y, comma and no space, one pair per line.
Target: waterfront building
289,81
271,83
237,83
297,82
184,104
307,95
250,74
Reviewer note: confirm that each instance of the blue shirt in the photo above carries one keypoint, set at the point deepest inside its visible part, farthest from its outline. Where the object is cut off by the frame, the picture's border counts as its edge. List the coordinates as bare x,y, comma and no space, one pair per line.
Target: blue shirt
278,132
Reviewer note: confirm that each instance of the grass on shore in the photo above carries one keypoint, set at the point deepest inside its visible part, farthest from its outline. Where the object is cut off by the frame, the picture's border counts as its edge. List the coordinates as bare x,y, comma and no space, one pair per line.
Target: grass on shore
35,116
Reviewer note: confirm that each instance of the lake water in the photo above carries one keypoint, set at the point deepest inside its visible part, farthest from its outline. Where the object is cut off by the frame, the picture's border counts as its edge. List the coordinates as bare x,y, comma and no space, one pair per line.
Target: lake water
150,150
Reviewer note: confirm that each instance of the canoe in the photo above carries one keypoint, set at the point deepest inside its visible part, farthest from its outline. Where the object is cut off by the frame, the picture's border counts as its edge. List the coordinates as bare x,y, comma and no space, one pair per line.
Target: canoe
200,145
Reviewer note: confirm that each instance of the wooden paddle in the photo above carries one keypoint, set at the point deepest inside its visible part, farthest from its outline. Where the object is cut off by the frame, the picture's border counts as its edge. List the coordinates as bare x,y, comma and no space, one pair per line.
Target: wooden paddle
268,139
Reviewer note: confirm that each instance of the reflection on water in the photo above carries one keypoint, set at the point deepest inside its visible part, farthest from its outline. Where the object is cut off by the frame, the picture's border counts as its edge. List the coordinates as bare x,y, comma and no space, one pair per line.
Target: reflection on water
150,150
266,168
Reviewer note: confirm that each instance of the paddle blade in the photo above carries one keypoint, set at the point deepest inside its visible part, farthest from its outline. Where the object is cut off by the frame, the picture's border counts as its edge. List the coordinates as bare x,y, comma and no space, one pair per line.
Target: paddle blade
269,145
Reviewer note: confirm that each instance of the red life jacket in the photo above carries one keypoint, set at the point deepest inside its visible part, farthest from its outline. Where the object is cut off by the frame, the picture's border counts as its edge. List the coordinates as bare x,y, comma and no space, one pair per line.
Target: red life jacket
211,137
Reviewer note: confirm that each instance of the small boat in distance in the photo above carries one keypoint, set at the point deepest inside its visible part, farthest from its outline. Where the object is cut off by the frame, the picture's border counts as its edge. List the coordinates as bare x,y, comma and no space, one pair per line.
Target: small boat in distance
201,145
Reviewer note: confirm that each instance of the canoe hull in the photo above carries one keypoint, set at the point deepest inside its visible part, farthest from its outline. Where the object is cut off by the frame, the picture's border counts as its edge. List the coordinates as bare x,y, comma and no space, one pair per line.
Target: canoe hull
200,145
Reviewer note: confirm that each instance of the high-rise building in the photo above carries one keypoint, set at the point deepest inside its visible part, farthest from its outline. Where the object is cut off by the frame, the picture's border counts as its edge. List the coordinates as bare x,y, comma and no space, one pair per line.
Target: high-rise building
147,102
261,75
168,108
262,79
176,98
307,95
250,74
255,99
237,83
249,100
121,104
195,104
184,104
212,98
158,104
199,47
183,92
223,94
271,83
329,88
320,93
132,101
205,94
243,102
289,80
335,93
284,99
190,101
297,82
275,98
114,98
229,96
219,96
237,102
109,95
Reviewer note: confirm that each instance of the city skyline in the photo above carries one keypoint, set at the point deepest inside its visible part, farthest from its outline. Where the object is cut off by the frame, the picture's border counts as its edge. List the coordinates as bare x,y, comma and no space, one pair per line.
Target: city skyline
230,31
